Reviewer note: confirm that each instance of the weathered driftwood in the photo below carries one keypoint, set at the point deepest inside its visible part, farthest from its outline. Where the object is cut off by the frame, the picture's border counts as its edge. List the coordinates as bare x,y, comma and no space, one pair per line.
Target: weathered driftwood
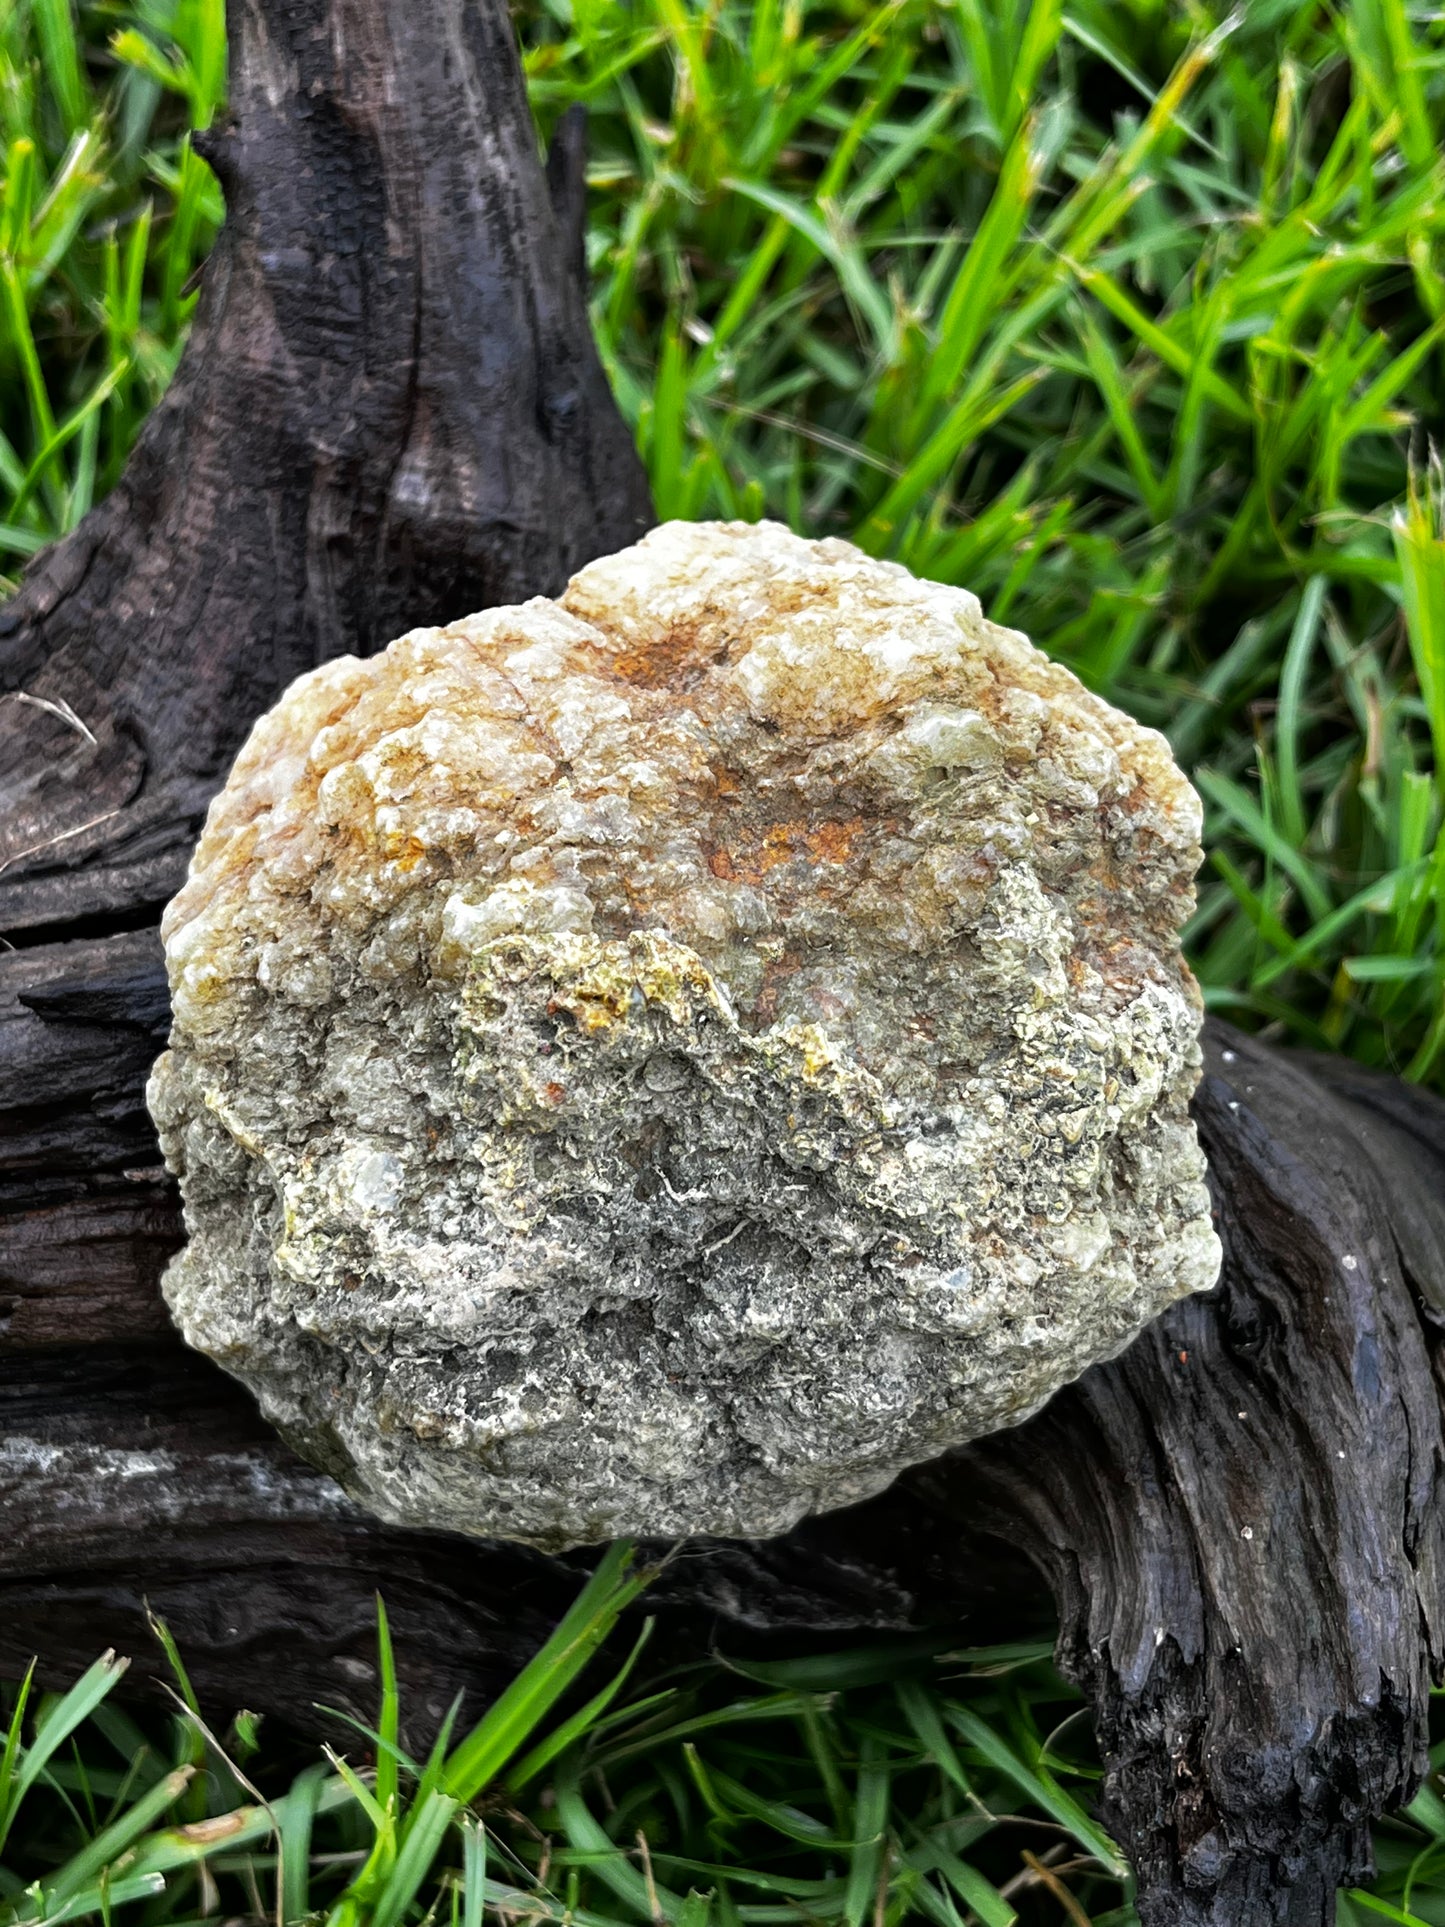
391,411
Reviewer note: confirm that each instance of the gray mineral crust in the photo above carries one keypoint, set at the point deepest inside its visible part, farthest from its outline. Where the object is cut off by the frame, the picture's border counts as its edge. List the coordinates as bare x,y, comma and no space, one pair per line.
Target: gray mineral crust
664,1060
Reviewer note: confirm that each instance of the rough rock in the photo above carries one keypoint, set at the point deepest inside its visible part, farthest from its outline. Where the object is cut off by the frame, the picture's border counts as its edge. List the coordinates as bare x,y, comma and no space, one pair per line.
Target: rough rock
664,1060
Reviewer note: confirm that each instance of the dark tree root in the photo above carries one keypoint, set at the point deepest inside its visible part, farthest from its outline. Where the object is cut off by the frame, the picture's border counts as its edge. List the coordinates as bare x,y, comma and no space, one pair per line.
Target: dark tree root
391,412
1241,1517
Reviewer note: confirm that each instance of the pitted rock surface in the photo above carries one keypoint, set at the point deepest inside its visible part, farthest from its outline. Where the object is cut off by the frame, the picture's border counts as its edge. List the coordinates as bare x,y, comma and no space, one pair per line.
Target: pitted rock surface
664,1060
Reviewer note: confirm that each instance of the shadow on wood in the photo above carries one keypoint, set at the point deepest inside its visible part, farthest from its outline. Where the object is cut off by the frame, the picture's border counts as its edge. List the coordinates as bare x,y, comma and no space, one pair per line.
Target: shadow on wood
391,411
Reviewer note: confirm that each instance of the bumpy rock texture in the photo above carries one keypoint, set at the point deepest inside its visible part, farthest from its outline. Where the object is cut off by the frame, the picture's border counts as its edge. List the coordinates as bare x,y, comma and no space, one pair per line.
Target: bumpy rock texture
664,1060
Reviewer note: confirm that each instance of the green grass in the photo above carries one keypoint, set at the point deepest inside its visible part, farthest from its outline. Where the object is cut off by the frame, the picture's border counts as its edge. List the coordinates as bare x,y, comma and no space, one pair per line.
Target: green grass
105,212
861,1788
1127,314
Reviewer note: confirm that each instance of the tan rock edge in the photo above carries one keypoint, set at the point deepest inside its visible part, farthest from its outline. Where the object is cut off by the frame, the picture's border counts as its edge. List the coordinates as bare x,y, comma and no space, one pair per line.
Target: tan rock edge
664,1060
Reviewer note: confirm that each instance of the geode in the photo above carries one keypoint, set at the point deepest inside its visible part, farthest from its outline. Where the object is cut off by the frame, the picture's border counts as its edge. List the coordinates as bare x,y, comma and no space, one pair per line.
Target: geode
662,1061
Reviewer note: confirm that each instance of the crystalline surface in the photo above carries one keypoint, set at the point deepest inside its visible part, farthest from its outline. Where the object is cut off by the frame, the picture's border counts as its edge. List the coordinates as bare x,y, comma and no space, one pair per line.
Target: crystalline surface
664,1060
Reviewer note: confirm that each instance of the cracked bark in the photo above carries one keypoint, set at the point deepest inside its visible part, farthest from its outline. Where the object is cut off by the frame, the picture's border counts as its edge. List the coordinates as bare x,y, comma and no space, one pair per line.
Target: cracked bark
391,412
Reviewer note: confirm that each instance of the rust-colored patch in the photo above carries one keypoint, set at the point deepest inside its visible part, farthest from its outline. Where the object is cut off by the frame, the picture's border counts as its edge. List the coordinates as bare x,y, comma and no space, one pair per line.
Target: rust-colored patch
749,859
1125,964
675,660
833,842
776,973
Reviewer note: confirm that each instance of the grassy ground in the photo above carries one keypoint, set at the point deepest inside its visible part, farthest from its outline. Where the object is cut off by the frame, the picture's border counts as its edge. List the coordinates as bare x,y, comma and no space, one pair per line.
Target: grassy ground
860,1788
1129,315
856,1789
